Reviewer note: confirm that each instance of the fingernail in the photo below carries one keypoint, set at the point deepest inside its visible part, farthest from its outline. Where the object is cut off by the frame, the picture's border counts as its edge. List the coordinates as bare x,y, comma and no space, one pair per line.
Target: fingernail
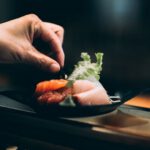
54,67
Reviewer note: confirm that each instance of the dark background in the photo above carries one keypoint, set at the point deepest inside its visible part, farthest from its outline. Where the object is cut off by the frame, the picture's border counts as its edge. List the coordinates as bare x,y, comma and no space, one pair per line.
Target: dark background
119,28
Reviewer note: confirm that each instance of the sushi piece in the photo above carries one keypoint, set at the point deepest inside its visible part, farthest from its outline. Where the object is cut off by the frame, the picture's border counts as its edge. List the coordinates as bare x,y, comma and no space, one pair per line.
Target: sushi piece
83,92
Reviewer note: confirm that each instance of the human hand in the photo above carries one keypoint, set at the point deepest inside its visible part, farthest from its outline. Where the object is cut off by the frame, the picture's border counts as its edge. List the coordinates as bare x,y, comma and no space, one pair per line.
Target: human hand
16,43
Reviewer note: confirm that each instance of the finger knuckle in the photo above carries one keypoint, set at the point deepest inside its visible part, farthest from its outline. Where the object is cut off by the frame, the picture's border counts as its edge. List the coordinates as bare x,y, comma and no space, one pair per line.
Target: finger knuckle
33,17
52,39
42,62
61,29
39,64
34,23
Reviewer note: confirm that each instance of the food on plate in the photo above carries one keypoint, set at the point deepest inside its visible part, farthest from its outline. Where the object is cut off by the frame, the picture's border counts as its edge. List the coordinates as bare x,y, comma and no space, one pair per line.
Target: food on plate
95,96
82,87
51,85
55,96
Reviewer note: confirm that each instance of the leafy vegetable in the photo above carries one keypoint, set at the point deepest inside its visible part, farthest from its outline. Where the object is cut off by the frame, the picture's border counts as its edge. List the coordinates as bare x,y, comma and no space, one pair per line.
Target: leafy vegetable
84,70
87,70
70,83
68,102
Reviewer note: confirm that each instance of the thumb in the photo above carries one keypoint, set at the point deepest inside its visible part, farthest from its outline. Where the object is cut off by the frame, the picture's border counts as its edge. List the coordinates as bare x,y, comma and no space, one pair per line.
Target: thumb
41,61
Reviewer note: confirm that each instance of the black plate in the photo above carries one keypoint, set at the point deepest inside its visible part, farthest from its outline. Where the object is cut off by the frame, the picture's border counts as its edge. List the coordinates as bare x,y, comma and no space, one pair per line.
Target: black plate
75,111
11,104
69,111
81,111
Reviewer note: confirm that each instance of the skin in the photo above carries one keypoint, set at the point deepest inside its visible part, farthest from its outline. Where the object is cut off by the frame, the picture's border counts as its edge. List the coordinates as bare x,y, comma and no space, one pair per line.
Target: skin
16,43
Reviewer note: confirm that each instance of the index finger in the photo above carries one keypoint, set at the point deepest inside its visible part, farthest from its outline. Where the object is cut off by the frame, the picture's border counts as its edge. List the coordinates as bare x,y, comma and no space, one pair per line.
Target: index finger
49,36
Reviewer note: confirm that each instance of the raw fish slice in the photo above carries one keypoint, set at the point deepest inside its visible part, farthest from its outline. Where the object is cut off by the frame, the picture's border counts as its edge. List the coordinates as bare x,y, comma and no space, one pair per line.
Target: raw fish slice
96,96
54,97
82,85
51,85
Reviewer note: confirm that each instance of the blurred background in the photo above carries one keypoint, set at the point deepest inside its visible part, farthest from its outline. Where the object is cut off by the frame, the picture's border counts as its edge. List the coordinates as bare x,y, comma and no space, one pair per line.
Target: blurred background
118,28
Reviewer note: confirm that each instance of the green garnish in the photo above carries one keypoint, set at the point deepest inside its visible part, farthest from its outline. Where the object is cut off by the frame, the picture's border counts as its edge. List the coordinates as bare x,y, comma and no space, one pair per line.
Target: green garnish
68,102
84,70
87,70
70,83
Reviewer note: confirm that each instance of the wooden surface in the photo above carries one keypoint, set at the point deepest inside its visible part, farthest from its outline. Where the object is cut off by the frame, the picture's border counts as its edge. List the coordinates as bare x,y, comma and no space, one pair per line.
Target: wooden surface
140,101
125,120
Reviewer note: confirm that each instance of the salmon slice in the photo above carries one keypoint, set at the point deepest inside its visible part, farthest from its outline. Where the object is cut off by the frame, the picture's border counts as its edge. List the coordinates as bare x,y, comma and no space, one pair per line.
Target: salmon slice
96,96
51,85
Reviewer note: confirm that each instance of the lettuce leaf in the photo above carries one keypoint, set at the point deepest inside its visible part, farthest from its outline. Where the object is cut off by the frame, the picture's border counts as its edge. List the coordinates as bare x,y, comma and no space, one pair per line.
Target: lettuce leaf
86,69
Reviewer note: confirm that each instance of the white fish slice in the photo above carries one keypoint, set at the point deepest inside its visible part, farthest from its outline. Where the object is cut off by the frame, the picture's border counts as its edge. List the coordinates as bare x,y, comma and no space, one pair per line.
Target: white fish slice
96,96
